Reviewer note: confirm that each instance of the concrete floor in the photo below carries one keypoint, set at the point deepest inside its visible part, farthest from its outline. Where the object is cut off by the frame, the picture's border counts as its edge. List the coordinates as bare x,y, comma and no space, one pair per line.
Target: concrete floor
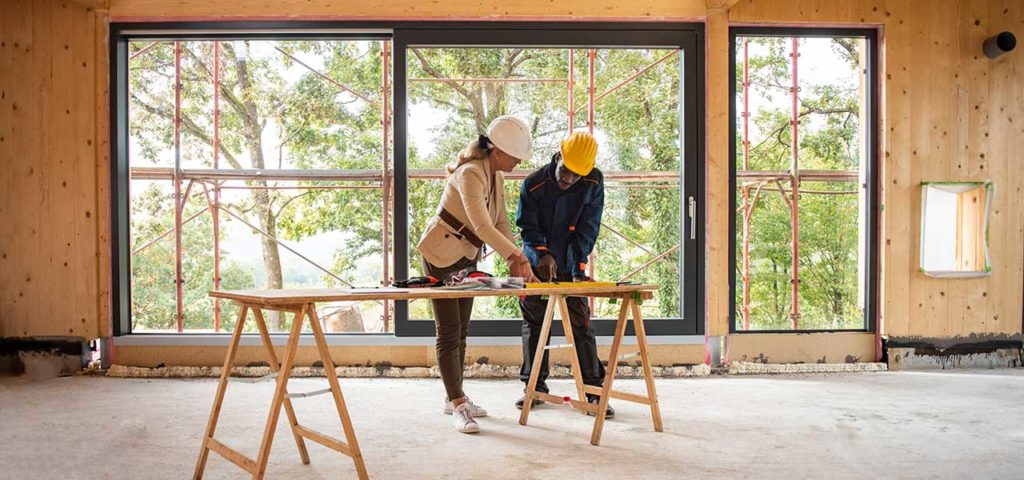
960,424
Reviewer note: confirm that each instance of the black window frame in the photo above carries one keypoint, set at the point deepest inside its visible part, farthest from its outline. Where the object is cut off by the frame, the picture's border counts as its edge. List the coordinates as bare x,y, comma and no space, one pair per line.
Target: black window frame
688,37
873,171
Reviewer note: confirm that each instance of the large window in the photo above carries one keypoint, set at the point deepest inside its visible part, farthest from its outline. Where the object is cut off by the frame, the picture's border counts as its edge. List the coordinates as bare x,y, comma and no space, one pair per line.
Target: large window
313,158
454,93
255,164
803,184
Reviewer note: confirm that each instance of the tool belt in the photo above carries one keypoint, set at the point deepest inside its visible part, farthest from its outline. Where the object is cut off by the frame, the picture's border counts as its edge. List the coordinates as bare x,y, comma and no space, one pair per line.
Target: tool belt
459,228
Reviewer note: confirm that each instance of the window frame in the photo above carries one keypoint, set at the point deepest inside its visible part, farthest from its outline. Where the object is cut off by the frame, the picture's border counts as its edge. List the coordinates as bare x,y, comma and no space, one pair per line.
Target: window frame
688,37
872,173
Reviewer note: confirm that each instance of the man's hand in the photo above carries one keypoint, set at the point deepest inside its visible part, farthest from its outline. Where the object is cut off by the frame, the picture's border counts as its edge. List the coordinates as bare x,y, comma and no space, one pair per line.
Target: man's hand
519,266
546,268
583,279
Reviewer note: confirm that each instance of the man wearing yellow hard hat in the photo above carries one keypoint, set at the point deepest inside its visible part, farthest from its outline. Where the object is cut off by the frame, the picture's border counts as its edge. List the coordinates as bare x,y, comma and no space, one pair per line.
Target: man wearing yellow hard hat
559,215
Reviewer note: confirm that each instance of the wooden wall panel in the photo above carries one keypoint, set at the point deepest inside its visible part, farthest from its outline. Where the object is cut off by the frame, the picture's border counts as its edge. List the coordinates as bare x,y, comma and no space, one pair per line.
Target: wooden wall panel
898,261
949,113
100,23
717,174
846,347
6,152
409,9
50,260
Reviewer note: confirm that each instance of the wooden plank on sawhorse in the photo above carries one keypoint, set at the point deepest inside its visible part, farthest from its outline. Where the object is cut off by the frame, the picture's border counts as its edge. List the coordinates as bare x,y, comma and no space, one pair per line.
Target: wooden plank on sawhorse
629,306
282,371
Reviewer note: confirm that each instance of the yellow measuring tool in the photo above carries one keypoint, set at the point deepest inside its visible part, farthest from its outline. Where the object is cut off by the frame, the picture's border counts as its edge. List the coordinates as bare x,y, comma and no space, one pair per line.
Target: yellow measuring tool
575,284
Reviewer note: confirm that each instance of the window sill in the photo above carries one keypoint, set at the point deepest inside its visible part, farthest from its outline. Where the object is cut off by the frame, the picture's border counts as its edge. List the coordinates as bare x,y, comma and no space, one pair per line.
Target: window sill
367,339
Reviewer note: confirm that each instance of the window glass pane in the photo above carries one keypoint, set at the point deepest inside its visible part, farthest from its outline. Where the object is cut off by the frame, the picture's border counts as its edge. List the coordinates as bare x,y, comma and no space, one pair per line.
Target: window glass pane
454,93
285,141
825,223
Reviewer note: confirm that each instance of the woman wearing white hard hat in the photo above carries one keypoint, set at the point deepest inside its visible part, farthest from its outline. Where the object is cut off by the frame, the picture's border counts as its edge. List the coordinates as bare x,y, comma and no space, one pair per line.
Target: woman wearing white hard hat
472,213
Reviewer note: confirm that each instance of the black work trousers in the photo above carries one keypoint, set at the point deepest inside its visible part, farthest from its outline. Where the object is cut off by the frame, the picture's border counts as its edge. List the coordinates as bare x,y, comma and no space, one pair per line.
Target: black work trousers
533,308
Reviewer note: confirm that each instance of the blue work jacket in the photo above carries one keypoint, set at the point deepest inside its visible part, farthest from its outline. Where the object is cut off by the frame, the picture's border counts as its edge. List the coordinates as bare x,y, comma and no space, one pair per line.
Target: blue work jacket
564,223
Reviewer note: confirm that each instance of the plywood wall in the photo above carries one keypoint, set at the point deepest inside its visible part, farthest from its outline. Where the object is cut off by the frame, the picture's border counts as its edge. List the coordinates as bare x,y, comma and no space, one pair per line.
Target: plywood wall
52,176
948,114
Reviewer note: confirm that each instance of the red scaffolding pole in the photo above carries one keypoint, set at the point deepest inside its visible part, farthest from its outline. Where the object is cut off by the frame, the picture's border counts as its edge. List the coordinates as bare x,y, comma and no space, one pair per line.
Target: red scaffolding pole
385,84
634,76
591,94
179,203
794,171
748,208
571,86
143,50
214,209
591,54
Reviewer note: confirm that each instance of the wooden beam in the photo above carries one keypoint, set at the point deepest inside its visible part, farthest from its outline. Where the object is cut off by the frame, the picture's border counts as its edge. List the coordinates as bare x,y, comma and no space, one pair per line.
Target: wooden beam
718,6
451,9
93,4
231,454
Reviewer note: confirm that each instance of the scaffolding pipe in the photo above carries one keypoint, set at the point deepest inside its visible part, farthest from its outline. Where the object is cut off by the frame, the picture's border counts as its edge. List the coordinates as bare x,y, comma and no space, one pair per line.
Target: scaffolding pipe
367,175
650,262
178,203
634,76
572,87
637,244
166,232
812,192
329,79
747,205
385,83
487,80
286,247
624,237
143,50
214,212
301,187
591,92
794,206
591,55
809,175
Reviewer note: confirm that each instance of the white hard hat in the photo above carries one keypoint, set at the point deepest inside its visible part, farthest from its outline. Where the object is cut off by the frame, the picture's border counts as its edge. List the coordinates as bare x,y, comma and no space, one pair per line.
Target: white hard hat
512,136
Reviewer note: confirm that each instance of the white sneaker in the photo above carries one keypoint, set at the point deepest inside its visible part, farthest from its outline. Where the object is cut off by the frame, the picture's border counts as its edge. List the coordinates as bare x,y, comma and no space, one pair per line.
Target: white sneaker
475,410
463,420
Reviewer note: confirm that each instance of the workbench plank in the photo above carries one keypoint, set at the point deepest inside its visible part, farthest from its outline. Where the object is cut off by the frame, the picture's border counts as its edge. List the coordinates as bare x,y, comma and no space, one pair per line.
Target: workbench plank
316,295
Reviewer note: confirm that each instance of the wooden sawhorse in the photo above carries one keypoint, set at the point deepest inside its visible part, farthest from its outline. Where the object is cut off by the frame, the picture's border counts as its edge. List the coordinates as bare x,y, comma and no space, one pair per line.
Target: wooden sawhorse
629,305
258,467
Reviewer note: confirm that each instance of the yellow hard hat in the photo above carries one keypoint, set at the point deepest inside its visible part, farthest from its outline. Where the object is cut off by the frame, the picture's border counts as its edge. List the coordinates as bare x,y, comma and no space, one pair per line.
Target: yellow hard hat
579,151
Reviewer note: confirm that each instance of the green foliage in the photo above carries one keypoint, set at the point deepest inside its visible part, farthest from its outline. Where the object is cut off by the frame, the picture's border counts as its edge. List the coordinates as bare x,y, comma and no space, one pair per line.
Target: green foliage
153,300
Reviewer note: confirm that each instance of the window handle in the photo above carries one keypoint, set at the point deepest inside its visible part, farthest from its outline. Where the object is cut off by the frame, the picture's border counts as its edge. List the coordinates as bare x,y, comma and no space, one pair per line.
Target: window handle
693,219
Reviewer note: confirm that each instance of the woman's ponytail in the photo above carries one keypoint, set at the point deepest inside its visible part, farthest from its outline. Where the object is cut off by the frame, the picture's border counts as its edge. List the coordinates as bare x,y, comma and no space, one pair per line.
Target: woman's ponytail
478,149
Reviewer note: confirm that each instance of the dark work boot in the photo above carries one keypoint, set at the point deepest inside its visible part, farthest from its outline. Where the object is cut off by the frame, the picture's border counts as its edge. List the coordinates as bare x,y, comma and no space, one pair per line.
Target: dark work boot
595,400
522,400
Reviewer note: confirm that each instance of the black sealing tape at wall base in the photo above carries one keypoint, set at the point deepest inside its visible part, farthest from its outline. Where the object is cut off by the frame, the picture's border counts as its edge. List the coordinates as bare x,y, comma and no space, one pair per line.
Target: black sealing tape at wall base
67,349
957,346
